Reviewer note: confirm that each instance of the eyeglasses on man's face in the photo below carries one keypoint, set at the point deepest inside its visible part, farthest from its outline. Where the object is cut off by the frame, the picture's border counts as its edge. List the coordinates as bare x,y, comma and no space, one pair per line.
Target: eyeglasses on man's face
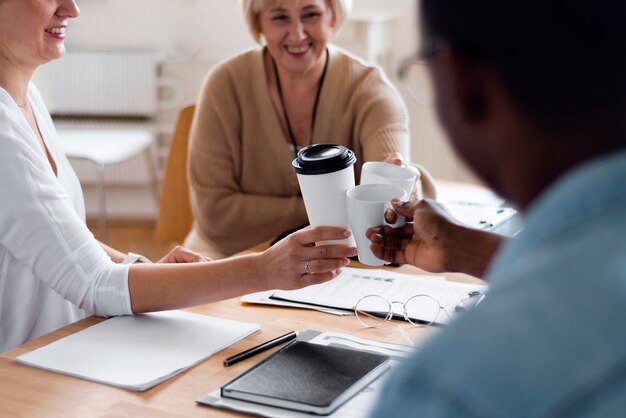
413,73
414,77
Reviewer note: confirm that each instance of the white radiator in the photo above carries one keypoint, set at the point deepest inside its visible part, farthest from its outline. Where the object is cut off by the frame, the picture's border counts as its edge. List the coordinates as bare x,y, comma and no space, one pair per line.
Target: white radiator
100,83
103,90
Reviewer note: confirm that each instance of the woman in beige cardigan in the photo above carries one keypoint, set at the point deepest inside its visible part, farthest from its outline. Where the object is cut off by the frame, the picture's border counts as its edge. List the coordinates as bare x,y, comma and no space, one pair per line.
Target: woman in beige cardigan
257,109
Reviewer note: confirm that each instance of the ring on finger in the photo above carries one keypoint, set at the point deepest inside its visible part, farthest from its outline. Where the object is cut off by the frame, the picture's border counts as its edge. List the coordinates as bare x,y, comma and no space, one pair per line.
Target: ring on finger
306,266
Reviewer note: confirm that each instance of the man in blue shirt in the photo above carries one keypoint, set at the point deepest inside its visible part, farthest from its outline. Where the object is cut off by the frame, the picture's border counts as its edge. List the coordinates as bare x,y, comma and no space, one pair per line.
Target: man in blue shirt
533,95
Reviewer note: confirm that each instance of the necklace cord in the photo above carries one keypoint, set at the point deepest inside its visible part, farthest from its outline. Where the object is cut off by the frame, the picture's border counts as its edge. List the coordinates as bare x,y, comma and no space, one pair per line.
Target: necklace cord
16,103
315,105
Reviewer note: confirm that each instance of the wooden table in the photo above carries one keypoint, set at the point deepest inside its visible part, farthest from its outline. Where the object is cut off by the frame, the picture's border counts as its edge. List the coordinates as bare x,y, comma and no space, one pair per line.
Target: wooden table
30,392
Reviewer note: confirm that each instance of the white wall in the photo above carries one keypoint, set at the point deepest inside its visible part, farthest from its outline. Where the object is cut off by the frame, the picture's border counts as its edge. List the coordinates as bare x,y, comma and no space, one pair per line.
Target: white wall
183,29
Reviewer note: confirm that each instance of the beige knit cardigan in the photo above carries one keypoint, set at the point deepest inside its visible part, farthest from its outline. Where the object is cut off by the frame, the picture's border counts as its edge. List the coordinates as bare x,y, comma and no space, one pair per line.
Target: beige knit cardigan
243,187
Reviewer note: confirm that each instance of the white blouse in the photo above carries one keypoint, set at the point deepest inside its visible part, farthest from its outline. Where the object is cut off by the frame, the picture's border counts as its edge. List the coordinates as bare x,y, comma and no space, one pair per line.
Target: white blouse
52,269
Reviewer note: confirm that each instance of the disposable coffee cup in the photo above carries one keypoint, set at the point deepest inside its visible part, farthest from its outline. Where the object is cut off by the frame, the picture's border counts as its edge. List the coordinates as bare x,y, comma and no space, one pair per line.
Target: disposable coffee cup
367,205
325,172
378,172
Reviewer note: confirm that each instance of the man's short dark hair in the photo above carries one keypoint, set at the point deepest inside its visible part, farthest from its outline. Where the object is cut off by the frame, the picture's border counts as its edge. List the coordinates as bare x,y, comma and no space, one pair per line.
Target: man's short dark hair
563,62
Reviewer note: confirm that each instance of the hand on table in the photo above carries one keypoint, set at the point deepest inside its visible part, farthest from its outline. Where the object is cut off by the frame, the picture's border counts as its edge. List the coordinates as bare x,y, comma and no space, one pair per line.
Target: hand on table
182,255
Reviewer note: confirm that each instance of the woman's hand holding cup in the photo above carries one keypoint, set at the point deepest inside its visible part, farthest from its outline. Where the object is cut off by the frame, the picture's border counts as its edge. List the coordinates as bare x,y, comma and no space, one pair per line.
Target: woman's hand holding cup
294,262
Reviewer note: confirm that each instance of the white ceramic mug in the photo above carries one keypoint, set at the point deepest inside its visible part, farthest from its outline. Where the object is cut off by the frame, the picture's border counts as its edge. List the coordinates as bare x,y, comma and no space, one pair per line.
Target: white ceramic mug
378,172
367,205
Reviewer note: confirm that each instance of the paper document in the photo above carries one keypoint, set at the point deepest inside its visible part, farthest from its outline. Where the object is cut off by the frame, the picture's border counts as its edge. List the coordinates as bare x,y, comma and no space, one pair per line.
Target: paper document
353,284
265,298
474,206
137,352
359,406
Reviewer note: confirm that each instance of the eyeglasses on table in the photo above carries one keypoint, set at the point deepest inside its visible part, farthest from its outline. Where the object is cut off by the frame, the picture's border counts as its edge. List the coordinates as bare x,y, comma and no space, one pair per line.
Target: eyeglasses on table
419,310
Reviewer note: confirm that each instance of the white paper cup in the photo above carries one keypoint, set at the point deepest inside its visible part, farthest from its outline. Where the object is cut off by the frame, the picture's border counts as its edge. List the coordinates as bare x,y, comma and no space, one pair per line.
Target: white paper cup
366,208
377,172
325,172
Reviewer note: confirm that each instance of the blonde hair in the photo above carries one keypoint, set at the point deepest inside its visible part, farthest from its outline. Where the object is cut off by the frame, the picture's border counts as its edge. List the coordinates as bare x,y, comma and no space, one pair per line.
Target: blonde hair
253,8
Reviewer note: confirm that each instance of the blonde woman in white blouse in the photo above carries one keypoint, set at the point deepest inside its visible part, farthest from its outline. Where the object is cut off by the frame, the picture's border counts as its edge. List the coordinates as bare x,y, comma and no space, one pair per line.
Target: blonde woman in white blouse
52,269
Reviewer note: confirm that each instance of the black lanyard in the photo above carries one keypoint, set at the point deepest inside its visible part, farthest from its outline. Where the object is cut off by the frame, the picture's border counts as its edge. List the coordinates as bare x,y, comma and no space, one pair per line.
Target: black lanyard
282,103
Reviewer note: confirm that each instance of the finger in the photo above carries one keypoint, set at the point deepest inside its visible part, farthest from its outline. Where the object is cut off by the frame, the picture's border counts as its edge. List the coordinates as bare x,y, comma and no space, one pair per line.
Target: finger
311,235
390,255
168,258
176,257
374,230
183,257
328,252
392,243
379,251
389,249
404,232
327,265
192,257
396,158
394,256
391,216
407,209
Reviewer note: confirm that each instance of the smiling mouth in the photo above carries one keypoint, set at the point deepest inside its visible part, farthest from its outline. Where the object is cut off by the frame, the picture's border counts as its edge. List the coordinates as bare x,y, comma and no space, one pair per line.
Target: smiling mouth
298,49
56,31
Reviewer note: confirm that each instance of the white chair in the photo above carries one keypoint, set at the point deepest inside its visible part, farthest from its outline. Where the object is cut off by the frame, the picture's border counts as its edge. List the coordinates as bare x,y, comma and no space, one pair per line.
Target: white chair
107,147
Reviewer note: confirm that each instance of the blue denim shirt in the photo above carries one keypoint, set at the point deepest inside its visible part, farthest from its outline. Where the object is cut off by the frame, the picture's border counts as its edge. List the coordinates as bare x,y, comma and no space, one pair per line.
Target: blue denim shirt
549,340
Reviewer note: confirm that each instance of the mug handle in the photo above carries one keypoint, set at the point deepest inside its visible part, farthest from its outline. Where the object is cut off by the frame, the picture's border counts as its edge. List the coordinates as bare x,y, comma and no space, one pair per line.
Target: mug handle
400,219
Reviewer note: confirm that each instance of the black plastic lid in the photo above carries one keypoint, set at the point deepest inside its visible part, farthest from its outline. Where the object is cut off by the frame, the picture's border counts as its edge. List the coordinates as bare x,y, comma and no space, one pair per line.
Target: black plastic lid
323,159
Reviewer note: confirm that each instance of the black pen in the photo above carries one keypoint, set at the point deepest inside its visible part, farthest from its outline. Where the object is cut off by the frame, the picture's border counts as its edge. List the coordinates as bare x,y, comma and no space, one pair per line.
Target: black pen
260,348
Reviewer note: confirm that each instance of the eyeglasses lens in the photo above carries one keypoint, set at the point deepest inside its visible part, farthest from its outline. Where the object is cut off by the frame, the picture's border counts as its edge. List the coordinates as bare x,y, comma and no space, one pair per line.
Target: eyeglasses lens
416,80
371,311
424,308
